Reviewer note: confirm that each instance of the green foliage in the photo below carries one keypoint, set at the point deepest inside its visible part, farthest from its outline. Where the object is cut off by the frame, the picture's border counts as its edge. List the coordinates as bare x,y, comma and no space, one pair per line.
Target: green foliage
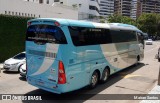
12,35
101,17
121,19
148,22
158,24
158,27
102,21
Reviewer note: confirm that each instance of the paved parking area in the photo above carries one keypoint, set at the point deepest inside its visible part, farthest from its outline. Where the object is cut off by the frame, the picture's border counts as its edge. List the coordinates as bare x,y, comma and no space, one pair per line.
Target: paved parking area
139,79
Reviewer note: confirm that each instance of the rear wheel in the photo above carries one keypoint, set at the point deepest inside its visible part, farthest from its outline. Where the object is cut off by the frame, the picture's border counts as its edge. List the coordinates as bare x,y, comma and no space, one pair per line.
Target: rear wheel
158,57
94,79
138,59
105,75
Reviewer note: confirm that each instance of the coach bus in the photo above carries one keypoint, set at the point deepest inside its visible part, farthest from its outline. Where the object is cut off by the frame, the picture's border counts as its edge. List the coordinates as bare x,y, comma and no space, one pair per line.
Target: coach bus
65,55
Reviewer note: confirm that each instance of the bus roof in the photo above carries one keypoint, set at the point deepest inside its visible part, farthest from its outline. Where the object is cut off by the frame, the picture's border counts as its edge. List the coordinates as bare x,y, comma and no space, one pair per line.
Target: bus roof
124,26
81,23
69,22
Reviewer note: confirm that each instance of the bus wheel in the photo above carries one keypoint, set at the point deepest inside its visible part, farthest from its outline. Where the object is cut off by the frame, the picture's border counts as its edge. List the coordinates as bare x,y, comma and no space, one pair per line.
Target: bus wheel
94,79
105,75
138,59
158,57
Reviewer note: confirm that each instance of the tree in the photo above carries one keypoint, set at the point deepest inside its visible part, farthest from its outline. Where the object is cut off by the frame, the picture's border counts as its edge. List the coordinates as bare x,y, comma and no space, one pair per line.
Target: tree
114,18
158,24
147,22
158,27
102,21
121,19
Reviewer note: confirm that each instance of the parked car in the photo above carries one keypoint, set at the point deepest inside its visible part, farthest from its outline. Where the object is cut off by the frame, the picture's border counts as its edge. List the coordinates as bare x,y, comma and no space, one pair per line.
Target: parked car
149,42
23,70
14,63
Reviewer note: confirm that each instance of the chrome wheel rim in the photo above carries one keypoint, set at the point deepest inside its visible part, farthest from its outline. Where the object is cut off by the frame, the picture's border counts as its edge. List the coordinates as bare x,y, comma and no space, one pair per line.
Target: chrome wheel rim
105,76
94,80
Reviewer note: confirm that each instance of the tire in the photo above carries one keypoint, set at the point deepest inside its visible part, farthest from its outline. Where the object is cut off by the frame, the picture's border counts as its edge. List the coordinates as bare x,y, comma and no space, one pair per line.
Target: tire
94,80
138,59
105,75
19,68
158,57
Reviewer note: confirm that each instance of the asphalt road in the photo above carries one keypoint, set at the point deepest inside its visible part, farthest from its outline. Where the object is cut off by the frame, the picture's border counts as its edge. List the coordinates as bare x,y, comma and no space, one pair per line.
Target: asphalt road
138,79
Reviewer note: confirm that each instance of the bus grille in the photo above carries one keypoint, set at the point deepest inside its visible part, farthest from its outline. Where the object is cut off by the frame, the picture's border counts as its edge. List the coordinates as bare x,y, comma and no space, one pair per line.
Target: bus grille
41,53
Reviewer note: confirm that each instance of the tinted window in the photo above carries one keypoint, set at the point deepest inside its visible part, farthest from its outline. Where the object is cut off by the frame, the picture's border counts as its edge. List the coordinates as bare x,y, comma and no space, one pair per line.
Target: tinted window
20,56
89,36
123,36
93,8
45,34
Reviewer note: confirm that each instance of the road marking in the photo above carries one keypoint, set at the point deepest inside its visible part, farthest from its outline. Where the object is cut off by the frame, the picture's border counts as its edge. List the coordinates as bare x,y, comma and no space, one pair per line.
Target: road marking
130,76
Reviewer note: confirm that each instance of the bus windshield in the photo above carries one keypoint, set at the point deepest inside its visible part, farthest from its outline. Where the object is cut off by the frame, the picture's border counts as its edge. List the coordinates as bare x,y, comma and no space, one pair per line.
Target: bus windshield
45,34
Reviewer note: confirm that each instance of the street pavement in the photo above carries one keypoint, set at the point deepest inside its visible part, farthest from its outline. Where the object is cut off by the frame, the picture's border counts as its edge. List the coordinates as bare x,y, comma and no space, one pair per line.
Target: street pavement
140,79
155,90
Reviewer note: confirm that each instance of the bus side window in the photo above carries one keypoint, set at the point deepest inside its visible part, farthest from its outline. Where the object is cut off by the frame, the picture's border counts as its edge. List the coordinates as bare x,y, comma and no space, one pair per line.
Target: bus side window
82,36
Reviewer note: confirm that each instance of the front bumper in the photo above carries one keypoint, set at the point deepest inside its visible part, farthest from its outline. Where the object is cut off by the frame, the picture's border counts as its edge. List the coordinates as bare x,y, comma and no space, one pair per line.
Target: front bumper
7,67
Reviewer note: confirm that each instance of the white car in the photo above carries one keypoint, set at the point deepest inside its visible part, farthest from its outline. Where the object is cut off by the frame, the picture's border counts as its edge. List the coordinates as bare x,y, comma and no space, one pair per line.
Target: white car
14,63
149,42
23,70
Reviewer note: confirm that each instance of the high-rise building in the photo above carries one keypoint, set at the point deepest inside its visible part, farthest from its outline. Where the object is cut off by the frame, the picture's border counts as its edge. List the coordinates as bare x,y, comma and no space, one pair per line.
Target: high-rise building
93,8
122,7
148,6
134,9
106,7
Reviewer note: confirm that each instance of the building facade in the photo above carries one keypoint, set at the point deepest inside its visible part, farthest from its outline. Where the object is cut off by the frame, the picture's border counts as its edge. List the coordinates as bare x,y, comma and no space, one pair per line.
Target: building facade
28,9
134,8
41,1
148,6
123,7
87,9
106,8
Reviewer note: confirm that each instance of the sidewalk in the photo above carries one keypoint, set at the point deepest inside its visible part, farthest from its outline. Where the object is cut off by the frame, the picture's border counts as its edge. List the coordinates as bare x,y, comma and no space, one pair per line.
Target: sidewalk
155,90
